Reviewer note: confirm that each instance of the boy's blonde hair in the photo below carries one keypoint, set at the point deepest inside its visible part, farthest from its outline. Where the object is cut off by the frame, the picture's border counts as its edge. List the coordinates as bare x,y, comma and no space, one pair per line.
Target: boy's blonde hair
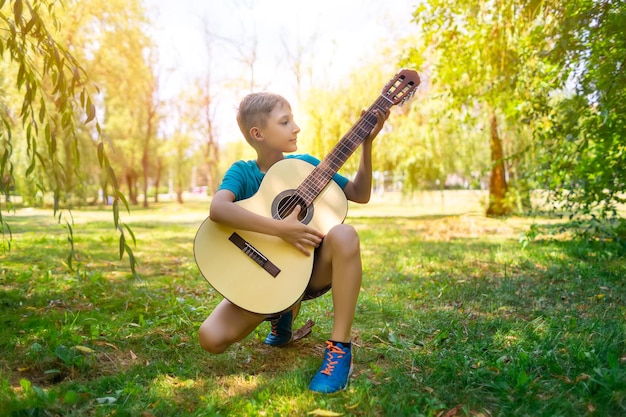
254,111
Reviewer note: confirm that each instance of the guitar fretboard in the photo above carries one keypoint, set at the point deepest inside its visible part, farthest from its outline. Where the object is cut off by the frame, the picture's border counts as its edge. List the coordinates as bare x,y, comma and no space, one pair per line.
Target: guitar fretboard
396,91
323,173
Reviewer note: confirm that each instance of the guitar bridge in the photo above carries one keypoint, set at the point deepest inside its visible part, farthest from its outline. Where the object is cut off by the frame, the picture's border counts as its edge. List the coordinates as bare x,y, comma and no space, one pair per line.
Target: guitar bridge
254,254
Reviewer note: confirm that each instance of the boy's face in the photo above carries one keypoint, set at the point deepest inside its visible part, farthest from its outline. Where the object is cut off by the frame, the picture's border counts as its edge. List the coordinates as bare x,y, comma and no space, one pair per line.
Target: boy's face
280,131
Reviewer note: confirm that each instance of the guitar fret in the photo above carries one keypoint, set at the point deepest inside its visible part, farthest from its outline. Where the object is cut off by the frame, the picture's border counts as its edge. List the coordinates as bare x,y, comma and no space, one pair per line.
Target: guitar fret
323,173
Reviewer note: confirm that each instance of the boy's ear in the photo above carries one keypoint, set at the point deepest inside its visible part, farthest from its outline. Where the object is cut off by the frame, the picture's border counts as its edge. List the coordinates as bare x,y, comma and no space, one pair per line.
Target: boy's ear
255,133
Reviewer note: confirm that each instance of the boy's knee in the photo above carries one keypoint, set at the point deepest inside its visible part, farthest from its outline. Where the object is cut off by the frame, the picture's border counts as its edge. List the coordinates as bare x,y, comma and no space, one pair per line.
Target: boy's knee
344,236
209,342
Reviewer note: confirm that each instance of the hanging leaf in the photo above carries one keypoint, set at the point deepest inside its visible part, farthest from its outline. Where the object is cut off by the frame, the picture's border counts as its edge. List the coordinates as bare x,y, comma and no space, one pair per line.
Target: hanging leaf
17,10
100,150
91,110
130,231
122,245
42,110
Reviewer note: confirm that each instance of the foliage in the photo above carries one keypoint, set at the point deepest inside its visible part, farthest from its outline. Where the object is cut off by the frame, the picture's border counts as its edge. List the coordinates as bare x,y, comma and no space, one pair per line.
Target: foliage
453,319
581,136
115,36
553,71
57,117
483,56
331,112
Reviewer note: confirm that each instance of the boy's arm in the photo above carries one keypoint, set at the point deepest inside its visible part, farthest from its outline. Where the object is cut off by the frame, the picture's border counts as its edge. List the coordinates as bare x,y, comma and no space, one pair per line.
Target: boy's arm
225,211
360,189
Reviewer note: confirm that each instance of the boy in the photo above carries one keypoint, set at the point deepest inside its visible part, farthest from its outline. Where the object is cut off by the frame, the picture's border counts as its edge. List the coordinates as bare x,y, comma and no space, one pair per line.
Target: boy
267,123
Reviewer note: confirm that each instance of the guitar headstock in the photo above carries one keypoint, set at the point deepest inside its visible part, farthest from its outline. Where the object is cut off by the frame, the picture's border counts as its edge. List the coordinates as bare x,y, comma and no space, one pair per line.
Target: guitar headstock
402,86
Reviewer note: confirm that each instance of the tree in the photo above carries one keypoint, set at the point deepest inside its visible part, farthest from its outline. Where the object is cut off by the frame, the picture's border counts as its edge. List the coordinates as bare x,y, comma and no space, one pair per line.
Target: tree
204,124
129,100
56,97
481,52
583,127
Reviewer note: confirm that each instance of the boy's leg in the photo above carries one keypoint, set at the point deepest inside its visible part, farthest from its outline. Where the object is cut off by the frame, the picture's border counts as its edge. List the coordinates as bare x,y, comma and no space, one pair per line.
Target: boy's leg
338,262
227,324
281,332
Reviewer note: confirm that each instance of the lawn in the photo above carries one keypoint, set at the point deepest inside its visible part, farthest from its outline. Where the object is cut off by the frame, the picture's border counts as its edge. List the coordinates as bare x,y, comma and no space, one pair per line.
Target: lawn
456,318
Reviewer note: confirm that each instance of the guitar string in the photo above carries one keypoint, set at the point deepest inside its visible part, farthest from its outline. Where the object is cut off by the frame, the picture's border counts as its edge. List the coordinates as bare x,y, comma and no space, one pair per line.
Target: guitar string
339,155
329,166
324,172
326,169
350,139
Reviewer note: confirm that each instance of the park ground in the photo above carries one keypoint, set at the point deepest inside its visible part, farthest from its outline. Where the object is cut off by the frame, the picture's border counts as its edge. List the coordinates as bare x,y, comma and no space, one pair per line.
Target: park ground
459,315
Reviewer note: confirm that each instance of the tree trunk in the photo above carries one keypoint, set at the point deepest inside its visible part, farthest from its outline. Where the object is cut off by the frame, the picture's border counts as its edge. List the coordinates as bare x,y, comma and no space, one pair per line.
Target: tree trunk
212,162
497,183
145,160
131,177
157,178
179,191
144,165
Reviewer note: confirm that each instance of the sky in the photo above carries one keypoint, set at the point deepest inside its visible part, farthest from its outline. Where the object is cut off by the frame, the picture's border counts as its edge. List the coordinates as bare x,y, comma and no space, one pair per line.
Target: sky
336,36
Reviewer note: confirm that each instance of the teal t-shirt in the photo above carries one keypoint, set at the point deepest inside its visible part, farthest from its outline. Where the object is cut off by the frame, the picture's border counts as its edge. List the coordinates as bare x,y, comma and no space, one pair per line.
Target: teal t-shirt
244,178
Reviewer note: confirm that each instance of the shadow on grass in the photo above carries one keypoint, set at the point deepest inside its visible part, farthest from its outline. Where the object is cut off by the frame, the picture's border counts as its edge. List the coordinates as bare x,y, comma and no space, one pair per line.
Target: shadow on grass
472,320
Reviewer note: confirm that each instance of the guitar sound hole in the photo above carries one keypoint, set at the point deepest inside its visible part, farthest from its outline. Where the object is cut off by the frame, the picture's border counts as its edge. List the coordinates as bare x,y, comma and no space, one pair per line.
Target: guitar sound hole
286,202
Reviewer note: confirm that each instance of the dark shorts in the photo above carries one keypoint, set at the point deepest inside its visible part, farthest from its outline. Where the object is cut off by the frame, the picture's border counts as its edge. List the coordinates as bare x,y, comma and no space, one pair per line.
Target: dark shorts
311,295
308,295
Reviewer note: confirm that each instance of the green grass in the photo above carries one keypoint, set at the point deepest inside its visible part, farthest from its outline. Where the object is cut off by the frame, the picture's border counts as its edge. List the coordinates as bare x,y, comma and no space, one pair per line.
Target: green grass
455,318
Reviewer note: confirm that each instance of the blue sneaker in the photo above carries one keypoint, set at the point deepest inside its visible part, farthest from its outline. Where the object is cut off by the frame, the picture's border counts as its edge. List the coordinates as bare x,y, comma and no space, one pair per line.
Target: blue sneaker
335,371
280,335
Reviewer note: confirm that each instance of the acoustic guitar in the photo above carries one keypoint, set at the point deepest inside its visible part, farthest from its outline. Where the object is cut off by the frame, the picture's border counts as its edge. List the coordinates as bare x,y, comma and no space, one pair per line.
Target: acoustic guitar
262,273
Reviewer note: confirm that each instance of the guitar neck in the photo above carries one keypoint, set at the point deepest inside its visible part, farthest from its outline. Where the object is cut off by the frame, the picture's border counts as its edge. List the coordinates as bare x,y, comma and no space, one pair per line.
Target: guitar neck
397,90
323,173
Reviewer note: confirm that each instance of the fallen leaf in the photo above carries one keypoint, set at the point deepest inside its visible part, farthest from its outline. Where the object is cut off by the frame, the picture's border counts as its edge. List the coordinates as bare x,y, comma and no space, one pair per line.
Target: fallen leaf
111,345
582,377
84,349
323,413
453,412
303,331
563,378
106,400
132,355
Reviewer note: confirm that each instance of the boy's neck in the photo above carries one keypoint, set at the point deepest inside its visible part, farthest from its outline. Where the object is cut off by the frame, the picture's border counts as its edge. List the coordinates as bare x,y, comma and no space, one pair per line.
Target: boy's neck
264,162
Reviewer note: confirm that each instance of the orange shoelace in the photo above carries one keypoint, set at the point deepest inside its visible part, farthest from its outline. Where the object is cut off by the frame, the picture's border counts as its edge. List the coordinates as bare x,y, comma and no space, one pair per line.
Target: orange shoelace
274,324
330,364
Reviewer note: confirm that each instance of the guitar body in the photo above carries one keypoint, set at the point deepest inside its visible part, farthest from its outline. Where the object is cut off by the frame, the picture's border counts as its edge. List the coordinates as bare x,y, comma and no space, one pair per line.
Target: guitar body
233,269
